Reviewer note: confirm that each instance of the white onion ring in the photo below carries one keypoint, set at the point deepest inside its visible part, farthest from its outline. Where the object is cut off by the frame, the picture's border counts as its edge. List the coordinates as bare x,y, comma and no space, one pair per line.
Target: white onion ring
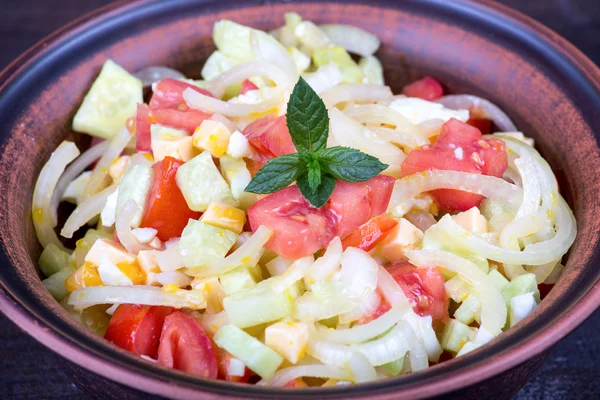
286,375
490,110
85,211
353,39
155,73
355,92
123,229
209,104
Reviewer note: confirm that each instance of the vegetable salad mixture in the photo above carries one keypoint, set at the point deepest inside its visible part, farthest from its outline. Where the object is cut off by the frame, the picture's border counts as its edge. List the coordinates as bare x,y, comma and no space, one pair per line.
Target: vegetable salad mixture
289,221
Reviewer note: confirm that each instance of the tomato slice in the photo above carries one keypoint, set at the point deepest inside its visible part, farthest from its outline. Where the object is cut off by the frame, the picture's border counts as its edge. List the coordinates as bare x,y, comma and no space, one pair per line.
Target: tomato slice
168,93
142,129
166,208
185,346
299,229
224,358
270,136
247,86
427,89
424,288
459,147
185,120
137,328
484,125
367,235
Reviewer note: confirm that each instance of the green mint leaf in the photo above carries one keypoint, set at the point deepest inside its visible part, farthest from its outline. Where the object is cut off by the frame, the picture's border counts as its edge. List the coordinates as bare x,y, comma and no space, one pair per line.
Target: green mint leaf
277,174
314,175
307,118
320,196
349,164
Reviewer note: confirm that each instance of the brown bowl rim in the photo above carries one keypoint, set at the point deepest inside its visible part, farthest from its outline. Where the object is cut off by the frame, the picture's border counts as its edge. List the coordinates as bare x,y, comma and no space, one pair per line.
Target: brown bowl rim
448,382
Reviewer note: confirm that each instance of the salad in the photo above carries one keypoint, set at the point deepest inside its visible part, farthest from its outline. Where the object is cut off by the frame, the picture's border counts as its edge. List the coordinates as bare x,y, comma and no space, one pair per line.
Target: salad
289,221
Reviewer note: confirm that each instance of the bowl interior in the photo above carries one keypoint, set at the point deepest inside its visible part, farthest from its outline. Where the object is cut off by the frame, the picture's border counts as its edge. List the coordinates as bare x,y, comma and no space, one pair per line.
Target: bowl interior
549,90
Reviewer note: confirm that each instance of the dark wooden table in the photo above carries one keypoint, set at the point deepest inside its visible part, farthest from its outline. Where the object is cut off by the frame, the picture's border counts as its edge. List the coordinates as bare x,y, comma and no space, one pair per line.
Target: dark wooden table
29,371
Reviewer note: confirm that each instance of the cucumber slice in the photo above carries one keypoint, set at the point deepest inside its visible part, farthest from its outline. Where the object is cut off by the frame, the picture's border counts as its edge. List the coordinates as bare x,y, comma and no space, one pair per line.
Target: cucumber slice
202,244
237,280
436,239
135,185
257,305
520,285
237,175
469,310
498,279
455,335
372,70
56,283
457,288
53,260
217,63
201,183
395,368
233,39
261,359
351,73
112,99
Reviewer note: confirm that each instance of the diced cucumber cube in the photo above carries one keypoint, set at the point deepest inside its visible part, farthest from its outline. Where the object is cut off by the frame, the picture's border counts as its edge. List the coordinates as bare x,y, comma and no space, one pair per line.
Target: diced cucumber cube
469,310
521,306
457,288
55,284
468,347
498,279
53,260
217,63
112,99
259,358
201,183
395,368
257,305
237,280
372,70
135,186
455,335
351,73
520,285
202,244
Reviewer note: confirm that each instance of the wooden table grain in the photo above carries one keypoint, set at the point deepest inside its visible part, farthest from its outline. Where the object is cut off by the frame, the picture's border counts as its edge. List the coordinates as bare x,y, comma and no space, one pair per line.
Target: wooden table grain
29,371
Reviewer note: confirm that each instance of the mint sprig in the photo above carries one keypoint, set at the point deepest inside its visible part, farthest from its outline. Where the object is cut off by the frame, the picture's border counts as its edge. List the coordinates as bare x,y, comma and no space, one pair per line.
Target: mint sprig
315,167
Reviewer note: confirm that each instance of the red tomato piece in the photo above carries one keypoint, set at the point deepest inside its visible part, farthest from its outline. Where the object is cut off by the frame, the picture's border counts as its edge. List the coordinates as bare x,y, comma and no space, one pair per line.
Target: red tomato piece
424,288
137,328
247,86
168,93
353,204
224,358
185,120
185,346
426,89
166,208
301,229
142,129
383,307
270,136
366,236
459,147
484,125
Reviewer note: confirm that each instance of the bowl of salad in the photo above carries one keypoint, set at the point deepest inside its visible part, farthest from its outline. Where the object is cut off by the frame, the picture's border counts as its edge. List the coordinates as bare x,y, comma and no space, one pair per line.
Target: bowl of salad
303,199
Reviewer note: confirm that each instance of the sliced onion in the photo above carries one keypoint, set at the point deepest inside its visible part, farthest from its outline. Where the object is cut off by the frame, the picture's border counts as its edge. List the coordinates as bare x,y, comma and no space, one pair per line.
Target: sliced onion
362,370
278,266
247,255
416,350
44,217
408,142
310,307
327,264
493,188
326,77
88,209
139,294
173,277
490,110
353,39
355,92
542,272
493,307
209,104
362,333
74,170
359,272
380,114
170,258
264,47
213,322
347,132
225,121
533,254
521,227
423,327
286,375
386,349
152,74
123,228
244,71
293,274
115,147
390,290
362,309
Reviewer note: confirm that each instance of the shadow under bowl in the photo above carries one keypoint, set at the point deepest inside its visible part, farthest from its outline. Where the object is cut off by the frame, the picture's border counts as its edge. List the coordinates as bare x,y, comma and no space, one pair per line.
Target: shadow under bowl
549,89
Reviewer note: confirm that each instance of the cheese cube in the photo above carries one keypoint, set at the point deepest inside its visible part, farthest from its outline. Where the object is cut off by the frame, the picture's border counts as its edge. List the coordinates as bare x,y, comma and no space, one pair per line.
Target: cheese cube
180,148
212,136
403,237
114,252
289,339
224,216
213,293
238,177
472,220
112,275
118,167
147,261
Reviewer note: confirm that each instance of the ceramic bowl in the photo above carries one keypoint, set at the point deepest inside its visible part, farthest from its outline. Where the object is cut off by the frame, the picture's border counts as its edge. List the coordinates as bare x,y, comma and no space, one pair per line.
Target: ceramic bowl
548,87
